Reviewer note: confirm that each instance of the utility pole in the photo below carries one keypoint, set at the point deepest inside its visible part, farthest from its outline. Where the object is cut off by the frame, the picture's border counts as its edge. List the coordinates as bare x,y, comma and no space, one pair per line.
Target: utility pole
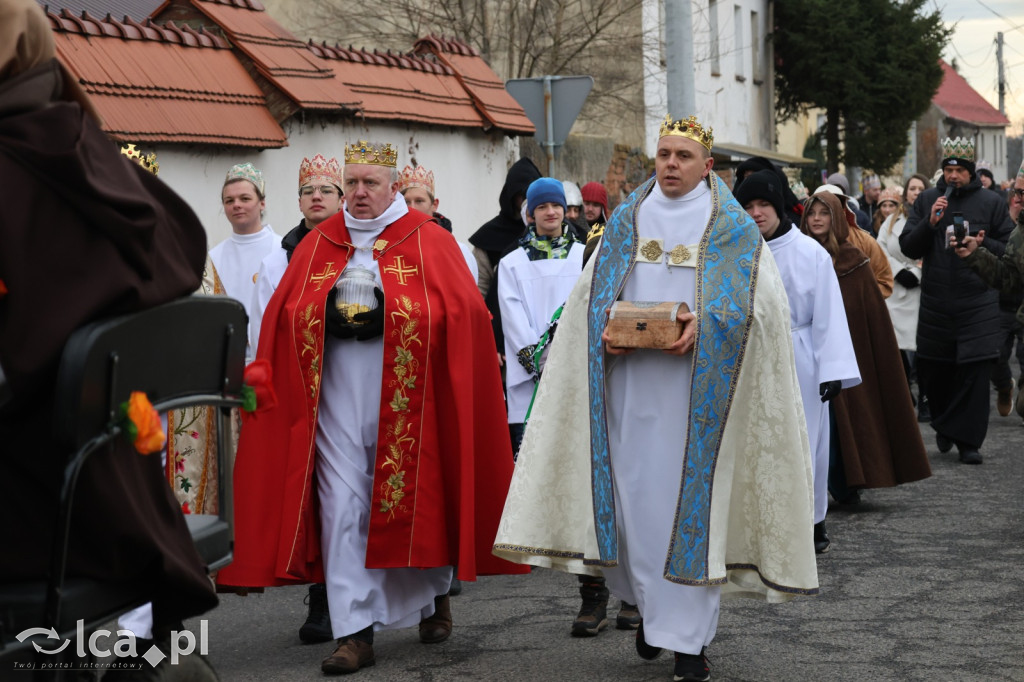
682,97
1002,76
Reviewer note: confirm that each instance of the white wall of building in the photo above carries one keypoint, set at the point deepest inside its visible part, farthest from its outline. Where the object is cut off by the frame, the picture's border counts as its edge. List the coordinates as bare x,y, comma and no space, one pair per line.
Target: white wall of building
733,72
990,146
469,170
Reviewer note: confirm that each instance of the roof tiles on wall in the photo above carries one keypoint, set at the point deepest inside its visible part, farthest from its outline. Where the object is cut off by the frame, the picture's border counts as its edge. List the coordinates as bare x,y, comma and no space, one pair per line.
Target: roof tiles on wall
402,87
164,83
278,55
479,80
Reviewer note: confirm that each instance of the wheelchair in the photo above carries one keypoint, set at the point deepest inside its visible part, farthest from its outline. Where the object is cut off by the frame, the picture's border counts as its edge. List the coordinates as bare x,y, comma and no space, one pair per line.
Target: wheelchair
190,351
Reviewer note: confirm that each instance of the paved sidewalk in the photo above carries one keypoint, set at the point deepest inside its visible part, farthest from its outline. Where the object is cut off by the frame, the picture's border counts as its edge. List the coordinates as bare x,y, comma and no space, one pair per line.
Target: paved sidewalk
924,582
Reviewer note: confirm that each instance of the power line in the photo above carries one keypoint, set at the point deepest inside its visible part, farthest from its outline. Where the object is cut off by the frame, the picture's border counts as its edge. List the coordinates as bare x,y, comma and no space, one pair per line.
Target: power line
1018,27
964,59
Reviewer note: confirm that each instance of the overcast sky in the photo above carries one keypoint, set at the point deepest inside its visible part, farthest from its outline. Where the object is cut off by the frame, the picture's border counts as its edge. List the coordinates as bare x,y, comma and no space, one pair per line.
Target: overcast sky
973,45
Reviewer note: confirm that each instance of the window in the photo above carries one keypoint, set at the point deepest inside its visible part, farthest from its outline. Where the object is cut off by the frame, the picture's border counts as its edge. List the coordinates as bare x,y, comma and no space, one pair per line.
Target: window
716,65
737,41
755,49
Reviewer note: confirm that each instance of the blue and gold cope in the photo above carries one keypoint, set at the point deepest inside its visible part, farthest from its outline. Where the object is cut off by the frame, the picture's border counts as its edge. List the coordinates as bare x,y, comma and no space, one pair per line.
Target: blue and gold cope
726,278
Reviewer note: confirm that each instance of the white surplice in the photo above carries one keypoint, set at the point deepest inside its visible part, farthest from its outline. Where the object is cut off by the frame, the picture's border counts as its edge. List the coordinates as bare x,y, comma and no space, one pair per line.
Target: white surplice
238,259
821,340
346,443
271,271
529,293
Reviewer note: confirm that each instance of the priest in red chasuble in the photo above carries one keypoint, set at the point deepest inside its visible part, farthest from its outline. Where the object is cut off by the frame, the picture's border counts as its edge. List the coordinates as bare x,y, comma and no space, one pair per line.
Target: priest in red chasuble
378,469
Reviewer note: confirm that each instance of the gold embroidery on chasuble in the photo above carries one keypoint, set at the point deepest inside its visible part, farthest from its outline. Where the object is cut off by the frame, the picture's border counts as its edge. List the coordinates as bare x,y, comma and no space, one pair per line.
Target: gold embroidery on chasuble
311,331
401,270
401,445
328,274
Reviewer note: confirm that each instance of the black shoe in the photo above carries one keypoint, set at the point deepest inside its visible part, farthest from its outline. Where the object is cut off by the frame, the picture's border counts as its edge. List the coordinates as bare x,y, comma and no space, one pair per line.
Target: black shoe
945,444
455,589
593,615
970,456
692,667
924,412
821,542
852,499
643,649
628,618
317,628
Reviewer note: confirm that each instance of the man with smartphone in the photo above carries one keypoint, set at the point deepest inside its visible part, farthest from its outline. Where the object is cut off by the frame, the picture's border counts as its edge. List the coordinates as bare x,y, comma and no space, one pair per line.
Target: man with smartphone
1006,274
958,333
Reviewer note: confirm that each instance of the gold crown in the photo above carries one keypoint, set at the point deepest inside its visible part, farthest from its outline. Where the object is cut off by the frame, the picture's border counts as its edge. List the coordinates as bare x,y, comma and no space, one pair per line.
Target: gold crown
416,177
380,154
958,148
148,162
320,171
687,127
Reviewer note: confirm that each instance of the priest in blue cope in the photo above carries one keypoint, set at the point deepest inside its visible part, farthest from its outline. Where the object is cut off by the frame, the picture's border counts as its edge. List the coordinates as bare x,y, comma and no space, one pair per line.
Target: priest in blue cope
686,475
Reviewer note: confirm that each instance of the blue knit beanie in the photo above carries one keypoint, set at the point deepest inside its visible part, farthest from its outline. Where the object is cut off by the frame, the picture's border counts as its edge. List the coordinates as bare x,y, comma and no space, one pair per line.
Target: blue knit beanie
542,191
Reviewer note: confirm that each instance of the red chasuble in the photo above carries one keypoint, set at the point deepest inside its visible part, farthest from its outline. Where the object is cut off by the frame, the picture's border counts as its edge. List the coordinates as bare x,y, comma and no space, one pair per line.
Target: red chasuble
443,460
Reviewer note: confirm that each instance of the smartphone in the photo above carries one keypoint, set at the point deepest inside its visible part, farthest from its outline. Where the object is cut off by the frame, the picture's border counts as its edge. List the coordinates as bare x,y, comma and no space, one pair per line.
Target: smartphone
959,228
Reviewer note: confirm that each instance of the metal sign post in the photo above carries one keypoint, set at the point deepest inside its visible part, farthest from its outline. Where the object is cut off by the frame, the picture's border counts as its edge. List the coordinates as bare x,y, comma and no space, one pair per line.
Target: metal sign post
552,104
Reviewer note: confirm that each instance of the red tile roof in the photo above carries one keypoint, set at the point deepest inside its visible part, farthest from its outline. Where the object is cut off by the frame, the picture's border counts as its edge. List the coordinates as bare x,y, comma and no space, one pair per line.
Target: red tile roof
278,55
164,84
402,87
960,101
177,83
480,81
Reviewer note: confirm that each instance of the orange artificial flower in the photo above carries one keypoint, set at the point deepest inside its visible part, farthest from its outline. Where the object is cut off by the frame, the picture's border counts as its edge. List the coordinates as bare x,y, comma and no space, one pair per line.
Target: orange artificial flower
149,432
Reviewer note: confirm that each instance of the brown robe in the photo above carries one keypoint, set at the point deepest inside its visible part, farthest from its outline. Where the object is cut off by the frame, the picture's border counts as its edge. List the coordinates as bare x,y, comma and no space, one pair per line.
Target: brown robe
86,234
879,440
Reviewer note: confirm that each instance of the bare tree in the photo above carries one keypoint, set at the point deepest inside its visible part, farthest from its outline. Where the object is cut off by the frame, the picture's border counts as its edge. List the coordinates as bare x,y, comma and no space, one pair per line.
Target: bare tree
600,38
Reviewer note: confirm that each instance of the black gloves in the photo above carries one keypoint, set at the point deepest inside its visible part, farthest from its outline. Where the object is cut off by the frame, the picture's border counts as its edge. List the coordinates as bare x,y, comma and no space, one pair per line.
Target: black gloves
829,390
907,279
364,326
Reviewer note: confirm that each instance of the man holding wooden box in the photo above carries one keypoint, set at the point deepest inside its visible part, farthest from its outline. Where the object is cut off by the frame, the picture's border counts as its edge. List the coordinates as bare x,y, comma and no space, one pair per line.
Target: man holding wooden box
687,472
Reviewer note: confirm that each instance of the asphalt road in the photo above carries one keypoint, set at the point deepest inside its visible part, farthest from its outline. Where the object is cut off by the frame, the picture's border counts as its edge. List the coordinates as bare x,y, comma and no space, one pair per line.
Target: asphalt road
924,582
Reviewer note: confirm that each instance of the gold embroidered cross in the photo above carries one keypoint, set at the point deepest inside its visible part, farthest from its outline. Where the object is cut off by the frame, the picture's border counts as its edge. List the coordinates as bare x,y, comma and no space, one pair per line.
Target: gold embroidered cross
328,274
401,270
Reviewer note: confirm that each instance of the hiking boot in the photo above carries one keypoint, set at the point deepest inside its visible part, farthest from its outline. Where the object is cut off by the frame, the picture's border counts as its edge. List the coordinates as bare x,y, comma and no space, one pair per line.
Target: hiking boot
1004,400
438,627
944,443
593,615
970,456
821,541
643,649
317,628
692,667
350,656
628,618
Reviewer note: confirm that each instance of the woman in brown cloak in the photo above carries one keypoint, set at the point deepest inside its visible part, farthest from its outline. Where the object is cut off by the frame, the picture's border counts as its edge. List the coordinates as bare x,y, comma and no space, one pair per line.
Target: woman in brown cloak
876,439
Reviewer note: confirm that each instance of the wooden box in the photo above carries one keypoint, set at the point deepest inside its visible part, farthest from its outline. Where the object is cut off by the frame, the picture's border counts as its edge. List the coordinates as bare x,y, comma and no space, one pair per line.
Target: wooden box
645,324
